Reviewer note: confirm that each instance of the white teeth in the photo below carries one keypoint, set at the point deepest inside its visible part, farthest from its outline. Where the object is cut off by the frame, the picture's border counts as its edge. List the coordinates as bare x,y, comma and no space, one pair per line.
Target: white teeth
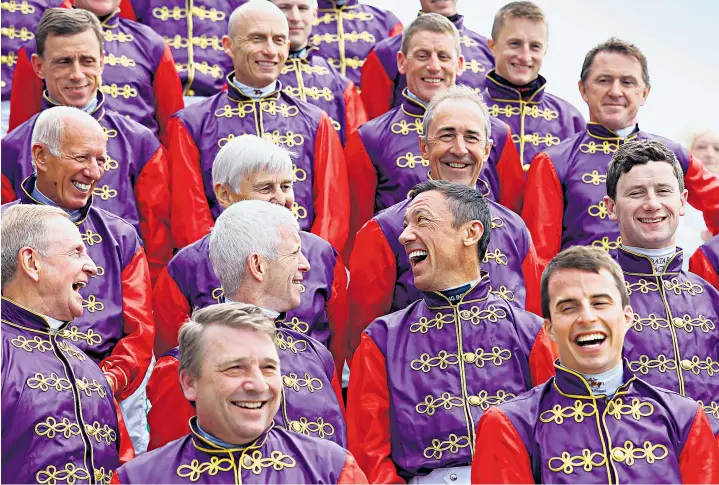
78,285
650,221
590,336
266,63
457,165
418,253
81,186
432,80
249,405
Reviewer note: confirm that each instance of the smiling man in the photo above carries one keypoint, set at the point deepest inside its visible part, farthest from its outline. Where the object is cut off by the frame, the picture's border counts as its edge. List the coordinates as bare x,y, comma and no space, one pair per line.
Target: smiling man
672,342
567,181
45,265
230,369
423,376
595,422
384,83
117,328
258,43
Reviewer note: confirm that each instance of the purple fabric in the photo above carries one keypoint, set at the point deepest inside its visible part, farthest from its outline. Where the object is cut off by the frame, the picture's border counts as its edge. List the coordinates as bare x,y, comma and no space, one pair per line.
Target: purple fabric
59,420
314,81
437,393
278,117
673,341
558,422
129,147
392,143
111,243
710,249
192,271
196,37
478,60
19,21
508,246
360,27
542,121
277,456
581,163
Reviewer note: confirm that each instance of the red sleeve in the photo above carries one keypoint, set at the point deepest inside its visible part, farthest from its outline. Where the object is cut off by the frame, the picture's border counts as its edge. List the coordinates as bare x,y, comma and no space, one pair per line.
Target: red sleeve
126,451
511,176
8,193
190,217
26,91
130,358
703,187
126,10
153,203
338,315
171,310
351,472
377,87
115,479
541,359
330,188
373,267
699,459
544,214
170,412
396,30
355,114
337,388
501,456
700,265
363,185
531,269
167,89
368,419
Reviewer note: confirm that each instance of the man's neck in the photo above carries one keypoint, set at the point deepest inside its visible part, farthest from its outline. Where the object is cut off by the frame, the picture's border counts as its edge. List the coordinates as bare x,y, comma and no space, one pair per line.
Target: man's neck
300,52
526,90
20,294
217,441
37,194
254,92
659,257
88,108
416,98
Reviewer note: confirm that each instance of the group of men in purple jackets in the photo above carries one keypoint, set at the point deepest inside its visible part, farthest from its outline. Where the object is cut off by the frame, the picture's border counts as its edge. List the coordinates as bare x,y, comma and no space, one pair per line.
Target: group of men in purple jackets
416,215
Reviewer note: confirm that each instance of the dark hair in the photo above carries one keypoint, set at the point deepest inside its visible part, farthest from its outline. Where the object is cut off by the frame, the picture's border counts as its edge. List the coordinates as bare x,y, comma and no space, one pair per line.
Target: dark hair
465,203
516,10
584,258
640,152
430,22
63,22
620,47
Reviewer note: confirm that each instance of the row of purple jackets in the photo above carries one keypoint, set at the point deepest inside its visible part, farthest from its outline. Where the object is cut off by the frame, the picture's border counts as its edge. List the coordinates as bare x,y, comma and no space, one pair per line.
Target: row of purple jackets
59,420
673,341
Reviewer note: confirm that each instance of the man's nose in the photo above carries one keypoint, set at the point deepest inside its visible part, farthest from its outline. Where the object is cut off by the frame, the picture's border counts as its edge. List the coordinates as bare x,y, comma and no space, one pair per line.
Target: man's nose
89,267
304,263
407,236
434,64
255,381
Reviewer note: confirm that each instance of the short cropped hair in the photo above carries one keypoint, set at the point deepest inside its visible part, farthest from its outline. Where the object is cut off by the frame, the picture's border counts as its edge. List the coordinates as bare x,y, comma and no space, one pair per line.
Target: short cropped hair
465,203
65,22
245,155
620,47
430,22
460,92
516,10
49,129
235,315
24,226
640,152
583,258
244,228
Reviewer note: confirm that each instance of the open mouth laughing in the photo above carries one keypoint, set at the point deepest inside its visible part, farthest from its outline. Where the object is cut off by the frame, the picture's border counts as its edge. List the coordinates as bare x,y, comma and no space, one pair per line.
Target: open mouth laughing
417,257
590,341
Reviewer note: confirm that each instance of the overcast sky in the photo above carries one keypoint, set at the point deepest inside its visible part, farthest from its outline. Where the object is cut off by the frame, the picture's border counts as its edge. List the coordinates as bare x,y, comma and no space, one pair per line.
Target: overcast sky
678,38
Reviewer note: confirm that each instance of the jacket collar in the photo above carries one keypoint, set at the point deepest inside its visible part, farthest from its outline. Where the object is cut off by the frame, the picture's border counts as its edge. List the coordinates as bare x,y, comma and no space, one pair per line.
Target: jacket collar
24,317
479,292
595,130
412,106
458,21
202,444
571,383
98,113
236,94
499,91
640,265
26,198
328,4
112,20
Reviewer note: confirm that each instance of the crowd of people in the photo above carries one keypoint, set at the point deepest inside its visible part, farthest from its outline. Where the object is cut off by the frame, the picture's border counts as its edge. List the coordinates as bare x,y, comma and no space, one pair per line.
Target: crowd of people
294,241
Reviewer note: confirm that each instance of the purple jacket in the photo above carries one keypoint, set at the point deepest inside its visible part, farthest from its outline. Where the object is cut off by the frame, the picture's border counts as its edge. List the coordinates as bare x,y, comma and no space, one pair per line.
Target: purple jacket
59,420
277,456
673,341
537,123
345,35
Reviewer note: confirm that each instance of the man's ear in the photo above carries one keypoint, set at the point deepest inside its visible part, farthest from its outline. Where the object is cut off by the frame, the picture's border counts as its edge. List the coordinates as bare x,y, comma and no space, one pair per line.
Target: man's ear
227,46
582,90
423,148
400,62
490,43
38,65
611,208
549,329
256,265
187,382
473,233
39,154
29,264
222,193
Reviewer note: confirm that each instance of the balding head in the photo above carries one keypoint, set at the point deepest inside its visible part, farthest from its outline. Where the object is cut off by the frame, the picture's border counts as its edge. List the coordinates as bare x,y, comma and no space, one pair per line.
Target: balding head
257,42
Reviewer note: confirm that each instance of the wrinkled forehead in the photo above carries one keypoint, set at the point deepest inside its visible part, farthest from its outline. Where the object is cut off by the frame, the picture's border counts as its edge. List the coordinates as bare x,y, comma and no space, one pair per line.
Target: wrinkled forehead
81,44
264,21
432,41
228,343
432,201
617,64
62,232
458,114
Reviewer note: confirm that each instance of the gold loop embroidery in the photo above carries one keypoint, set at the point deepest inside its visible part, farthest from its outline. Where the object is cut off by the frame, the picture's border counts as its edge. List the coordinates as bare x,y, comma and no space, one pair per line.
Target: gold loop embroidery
452,445
578,411
73,333
592,147
88,387
277,460
101,432
431,404
273,108
318,428
111,164
36,343
504,293
203,67
331,17
403,128
242,110
643,286
423,325
474,65
567,462
645,364
70,350
507,110
217,294
409,160
311,92
294,382
195,469
22,7
165,13
476,315
606,244
711,409
677,287
537,139
50,428
212,14
126,91
305,68
298,325
110,36
103,477
123,61
598,210
425,362
39,381
9,60
12,33
298,174
483,400
299,211
497,222
105,192
496,256
351,62
110,133
467,41
69,474
92,304
594,178
628,453
289,139
286,342
636,409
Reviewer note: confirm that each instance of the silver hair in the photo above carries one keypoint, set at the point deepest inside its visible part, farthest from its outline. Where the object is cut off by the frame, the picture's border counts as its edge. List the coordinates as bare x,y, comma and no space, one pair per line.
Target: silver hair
245,155
49,127
245,228
461,92
430,22
24,226
238,12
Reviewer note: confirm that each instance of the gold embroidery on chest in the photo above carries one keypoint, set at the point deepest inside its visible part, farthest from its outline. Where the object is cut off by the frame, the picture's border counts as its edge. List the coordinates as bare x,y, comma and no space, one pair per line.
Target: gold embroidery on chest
9,60
294,382
645,364
123,61
593,147
598,210
312,92
69,474
92,304
483,400
37,343
403,128
274,108
213,70
606,244
110,164
452,445
88,387
304,68
354,36
687,323
105,192
70,351
534,111
678,287
351,62
504,293
537,139
110,133
73,333
423,325
636,409
335,124
594,178
53,381
566,462
121,37
578,411
318,428
217,294
495,256
288,343
101,476
298,325
476,315
298,174
116,91
177,13
201,41
242,110
409,160
447,401
467,41
298,211
290,139
497,222
256,462
711,409
67,429
474,65
12,33
22,7
329,17
628,454
195,469
101,432
444,359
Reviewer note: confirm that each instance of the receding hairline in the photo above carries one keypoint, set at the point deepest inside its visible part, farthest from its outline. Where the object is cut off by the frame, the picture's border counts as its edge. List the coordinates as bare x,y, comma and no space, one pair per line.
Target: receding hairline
264,10
461,101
